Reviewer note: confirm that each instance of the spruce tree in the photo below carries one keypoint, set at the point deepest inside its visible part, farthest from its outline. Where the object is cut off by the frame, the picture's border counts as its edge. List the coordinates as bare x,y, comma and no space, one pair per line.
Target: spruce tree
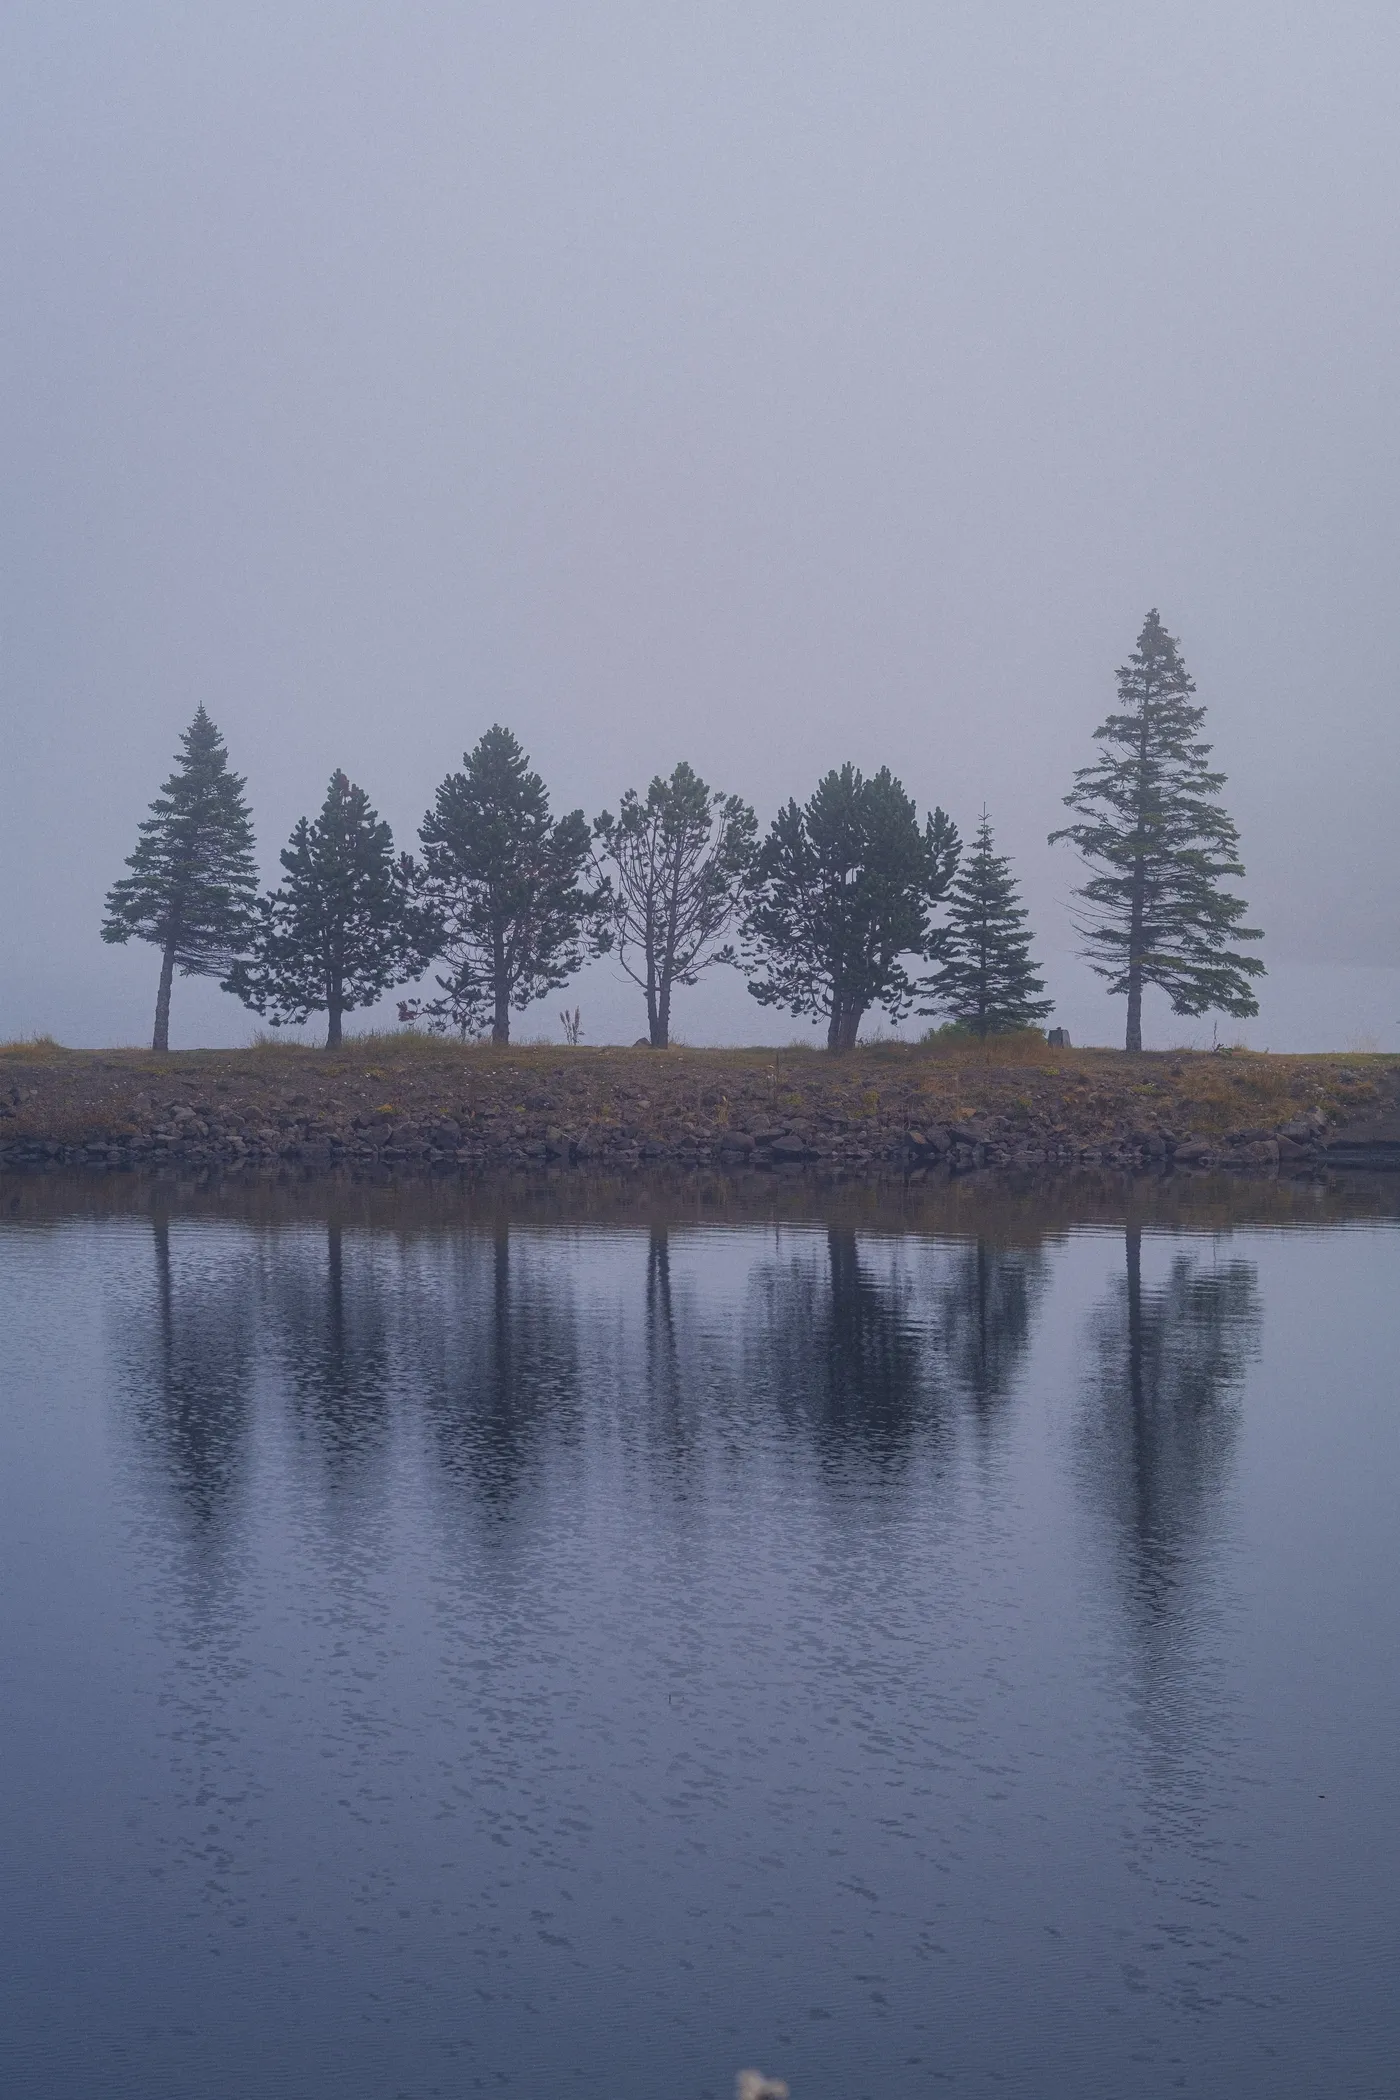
343,927
988,982
505,881
192,889
1157,913
841,894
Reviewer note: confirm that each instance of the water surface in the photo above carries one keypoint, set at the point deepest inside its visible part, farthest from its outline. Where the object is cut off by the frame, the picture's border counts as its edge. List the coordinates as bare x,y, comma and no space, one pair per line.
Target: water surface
580,1644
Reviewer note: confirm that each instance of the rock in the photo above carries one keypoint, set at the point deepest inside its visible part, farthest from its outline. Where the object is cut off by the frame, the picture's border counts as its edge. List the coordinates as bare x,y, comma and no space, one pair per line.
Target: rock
736,1142
790,1150
765,1138
1259,1152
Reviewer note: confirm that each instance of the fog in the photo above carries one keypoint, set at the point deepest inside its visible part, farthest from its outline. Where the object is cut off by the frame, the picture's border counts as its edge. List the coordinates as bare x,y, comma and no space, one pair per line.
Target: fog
765,385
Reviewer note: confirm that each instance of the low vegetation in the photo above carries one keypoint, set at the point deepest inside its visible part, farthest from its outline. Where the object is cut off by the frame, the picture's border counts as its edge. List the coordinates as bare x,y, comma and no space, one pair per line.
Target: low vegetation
408,1099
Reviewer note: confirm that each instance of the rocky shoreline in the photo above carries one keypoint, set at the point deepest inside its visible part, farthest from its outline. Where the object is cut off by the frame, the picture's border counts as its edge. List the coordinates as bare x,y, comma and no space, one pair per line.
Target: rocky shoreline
412,1105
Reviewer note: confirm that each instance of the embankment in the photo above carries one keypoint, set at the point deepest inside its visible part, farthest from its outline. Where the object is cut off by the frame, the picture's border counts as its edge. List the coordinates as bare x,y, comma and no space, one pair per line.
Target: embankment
412,1104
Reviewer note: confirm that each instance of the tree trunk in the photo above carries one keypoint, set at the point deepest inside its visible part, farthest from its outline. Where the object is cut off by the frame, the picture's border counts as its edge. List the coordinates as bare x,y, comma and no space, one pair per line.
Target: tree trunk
659,1015
1134,1040
160,1040
500,986
333,1015
845,1027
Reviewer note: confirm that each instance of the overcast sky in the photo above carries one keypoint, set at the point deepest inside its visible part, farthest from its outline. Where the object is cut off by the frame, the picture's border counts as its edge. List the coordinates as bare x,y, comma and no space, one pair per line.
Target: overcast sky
763,384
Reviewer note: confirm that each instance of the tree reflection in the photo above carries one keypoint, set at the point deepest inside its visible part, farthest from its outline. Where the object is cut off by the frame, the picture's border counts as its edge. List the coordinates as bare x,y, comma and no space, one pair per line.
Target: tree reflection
986,1311
1160,1434
335,1344
839,1347
496,1350
872,1355
188,1365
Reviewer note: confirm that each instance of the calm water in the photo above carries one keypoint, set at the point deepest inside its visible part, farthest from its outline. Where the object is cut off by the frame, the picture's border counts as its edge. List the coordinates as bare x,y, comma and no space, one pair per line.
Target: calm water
940,1644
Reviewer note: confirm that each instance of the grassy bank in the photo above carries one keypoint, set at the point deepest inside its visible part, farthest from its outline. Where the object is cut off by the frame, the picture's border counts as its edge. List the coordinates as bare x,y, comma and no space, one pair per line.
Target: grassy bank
408,1098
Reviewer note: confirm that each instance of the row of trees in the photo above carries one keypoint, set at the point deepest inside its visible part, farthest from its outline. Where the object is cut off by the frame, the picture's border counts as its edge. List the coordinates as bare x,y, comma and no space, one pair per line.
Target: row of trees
830,915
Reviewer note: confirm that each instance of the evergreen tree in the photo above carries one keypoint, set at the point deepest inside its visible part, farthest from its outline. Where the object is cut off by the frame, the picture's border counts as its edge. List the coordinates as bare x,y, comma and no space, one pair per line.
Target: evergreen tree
680,858
842,891
344,926
505,883
1157,913
192,889
988,982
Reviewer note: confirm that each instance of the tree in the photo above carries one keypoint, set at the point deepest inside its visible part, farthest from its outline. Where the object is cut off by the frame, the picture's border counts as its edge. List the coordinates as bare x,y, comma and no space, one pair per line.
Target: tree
680,858
988,982
344,926
842,891
1157,914
504,881
192,890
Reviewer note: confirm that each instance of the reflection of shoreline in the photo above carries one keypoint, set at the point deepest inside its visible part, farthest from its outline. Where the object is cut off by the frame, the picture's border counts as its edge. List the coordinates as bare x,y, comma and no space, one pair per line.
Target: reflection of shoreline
1011,1208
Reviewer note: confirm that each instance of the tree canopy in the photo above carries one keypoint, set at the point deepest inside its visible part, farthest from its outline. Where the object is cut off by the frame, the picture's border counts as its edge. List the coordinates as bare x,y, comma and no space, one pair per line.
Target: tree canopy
192,886
842,892
988,982
1156,913
505,883
677,863
345,924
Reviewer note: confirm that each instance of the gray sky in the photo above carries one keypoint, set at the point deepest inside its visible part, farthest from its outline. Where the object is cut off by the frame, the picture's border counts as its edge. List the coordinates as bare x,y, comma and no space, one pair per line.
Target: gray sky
763,384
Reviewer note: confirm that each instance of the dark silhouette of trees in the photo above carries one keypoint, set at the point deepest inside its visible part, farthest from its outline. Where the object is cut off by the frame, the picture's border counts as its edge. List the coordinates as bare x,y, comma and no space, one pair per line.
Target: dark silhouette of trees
677,861
1157,913
192,889
345,924
988,981
842,892
504,881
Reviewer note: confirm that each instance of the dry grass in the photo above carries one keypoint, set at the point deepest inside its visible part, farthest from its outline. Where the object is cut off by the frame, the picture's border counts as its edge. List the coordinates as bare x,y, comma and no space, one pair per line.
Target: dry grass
32,1046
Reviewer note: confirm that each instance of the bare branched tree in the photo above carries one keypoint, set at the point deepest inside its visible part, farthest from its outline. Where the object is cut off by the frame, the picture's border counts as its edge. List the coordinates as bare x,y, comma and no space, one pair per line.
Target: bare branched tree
678,861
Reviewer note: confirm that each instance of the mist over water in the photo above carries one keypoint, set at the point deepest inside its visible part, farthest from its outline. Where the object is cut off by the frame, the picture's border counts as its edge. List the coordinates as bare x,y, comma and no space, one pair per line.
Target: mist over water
460,1646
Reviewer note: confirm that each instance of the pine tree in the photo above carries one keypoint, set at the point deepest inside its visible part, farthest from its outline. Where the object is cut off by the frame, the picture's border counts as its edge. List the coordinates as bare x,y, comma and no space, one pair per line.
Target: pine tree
841,894
1157,914
988,982
505,882
680,858
192,889
343,927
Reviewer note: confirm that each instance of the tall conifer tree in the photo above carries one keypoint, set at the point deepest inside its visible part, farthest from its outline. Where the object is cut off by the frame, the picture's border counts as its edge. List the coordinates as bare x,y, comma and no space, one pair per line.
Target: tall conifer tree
192,889
1157,913
988,982
343,927
505,881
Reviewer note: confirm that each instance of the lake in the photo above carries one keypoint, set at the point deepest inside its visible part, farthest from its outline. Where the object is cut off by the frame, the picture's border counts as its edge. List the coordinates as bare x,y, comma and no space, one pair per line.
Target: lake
581,1640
